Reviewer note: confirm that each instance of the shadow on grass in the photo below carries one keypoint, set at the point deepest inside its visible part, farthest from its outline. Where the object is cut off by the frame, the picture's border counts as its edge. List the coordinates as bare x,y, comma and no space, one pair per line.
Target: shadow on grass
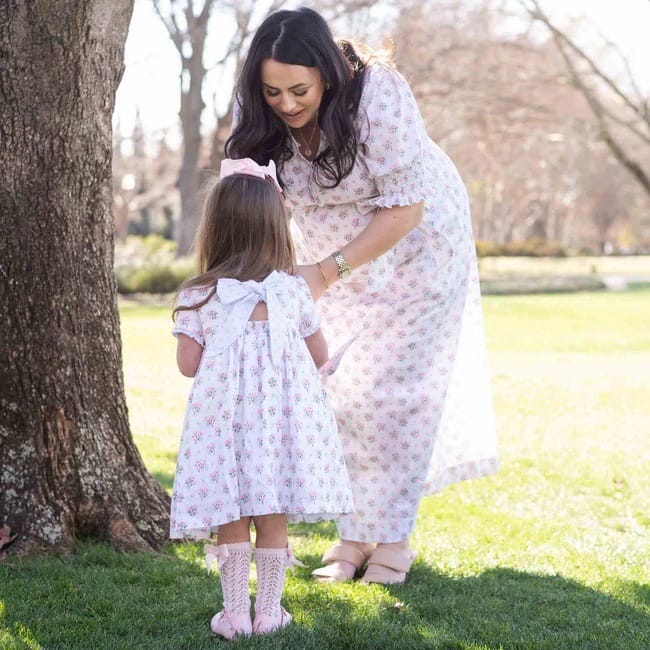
101,599
499,607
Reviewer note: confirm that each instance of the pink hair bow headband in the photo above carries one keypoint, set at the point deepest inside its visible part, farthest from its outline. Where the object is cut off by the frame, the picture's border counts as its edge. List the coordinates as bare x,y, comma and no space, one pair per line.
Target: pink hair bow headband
230,166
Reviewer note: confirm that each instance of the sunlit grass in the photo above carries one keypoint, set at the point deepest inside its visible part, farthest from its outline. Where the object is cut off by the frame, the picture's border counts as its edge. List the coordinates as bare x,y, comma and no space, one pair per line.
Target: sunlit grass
551,552
156,390
604,322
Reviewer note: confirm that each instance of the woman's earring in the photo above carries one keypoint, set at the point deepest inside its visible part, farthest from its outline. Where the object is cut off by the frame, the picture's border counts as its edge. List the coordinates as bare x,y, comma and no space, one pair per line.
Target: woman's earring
327,86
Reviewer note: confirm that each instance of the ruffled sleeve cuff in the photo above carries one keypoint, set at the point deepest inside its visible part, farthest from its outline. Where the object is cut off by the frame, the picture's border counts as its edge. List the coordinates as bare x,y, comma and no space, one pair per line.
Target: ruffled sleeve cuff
194,335
401,187
188,321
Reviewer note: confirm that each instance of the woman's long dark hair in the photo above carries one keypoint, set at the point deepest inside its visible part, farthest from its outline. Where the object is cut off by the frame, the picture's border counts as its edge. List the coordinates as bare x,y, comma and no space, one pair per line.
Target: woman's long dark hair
300,37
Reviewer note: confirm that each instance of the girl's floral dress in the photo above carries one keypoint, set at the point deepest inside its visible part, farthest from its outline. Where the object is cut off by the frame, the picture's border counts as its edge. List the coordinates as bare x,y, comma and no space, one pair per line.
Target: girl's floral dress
259,434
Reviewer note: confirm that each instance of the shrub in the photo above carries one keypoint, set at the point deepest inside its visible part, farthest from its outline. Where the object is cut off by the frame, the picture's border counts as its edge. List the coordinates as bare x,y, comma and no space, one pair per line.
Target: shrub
148,265
528,248
139,251
487,249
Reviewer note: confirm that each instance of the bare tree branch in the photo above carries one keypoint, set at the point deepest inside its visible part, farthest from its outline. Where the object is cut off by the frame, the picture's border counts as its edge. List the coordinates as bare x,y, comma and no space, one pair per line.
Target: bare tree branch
615,146
189,40
603,114
170,23
628,70
538,14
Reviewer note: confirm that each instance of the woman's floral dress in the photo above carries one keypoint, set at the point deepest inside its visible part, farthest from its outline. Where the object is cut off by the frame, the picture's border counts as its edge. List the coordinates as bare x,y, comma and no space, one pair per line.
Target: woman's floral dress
412,394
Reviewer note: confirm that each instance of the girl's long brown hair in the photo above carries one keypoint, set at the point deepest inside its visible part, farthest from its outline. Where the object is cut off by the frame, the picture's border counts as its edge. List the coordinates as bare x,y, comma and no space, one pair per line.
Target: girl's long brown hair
243,234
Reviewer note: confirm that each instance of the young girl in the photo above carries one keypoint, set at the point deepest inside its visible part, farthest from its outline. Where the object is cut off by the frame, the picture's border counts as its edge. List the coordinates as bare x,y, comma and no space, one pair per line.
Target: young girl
259,438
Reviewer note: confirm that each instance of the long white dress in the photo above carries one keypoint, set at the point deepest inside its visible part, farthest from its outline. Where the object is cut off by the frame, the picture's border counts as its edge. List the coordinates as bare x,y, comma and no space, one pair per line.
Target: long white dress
259,434
412,393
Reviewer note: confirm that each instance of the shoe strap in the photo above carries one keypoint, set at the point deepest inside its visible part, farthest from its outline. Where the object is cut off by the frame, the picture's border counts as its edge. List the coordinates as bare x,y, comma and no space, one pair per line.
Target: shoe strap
396,560
345,553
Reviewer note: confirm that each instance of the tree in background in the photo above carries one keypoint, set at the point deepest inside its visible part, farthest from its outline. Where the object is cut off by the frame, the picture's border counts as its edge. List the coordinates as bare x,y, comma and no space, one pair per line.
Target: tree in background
524,138
188,29
69,465
189,26
620,108
144,182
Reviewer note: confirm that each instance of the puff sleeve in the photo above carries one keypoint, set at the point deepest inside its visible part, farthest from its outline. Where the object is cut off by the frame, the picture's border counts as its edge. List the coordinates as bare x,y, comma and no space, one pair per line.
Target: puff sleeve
188,321
393,131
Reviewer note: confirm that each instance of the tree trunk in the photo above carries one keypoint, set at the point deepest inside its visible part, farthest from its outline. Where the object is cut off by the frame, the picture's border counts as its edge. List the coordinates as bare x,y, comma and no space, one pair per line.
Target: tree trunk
218,142
68,463
191,109
188,31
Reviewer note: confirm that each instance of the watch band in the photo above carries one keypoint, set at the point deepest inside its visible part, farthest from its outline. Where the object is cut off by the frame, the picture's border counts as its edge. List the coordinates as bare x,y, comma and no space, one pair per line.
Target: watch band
344,268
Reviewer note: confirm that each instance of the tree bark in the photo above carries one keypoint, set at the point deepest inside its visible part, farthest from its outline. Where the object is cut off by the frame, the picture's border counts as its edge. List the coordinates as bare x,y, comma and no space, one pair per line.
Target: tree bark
68,462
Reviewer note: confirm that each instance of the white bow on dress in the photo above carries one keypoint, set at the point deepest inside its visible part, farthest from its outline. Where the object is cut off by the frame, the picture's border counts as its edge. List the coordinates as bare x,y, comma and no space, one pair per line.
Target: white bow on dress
242,297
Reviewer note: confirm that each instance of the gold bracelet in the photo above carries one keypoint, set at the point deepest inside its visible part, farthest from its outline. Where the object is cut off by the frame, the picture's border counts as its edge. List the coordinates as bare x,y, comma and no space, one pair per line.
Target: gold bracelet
344,268
320,268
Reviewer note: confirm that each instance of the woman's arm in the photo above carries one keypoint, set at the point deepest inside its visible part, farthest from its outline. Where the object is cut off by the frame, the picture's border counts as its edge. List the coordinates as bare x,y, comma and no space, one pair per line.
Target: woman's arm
385,229
188,355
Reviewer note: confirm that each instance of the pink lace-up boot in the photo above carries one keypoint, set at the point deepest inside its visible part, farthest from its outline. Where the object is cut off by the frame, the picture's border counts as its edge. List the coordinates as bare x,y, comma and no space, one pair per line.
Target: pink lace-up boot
271,566
233,562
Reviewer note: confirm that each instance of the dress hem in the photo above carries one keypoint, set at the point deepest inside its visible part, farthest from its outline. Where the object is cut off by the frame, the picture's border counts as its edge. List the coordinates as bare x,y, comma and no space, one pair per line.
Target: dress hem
464,472
204,532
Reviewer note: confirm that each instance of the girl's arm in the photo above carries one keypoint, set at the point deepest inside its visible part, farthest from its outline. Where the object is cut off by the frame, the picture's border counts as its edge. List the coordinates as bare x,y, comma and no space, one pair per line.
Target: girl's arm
385,229
317,346
188,355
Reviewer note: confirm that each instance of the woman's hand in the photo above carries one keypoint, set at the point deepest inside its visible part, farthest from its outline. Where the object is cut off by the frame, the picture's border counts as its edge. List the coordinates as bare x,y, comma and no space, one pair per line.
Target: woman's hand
385,229
313,277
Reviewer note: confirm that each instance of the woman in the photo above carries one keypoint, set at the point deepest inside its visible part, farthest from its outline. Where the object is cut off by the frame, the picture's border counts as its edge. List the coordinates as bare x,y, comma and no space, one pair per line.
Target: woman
382,212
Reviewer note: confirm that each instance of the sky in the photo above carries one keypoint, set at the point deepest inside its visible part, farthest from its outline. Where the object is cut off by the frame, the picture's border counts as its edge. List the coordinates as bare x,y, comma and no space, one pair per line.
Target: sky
150,83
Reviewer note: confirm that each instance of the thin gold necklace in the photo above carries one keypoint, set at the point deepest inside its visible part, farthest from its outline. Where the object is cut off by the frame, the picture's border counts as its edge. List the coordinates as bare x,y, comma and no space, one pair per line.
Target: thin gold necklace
306,148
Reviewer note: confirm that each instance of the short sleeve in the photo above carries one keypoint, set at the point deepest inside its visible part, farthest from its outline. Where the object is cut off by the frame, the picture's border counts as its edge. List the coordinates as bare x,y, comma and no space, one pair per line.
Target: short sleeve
188,321
393,131
309,316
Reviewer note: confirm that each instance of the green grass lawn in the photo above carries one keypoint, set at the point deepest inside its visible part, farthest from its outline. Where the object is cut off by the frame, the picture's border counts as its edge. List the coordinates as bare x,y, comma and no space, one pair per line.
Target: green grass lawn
551,552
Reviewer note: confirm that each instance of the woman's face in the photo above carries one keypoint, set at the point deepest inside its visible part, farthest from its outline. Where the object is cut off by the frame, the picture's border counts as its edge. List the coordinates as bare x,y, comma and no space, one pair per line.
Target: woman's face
293,92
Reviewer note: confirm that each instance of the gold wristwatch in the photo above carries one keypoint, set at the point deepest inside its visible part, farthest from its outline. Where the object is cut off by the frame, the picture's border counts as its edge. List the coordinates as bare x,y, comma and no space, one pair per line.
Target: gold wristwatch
344,268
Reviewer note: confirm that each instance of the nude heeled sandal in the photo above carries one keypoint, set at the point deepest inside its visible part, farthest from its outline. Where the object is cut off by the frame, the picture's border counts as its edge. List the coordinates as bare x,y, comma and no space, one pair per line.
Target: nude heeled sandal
340,553
388,566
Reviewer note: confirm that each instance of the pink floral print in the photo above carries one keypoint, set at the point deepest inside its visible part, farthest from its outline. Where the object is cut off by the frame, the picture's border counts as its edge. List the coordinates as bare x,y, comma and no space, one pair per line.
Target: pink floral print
259,434
411,395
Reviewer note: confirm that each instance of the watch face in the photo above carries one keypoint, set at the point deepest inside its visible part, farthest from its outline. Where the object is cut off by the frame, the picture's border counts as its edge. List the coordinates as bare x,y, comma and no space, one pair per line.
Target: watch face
344,268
